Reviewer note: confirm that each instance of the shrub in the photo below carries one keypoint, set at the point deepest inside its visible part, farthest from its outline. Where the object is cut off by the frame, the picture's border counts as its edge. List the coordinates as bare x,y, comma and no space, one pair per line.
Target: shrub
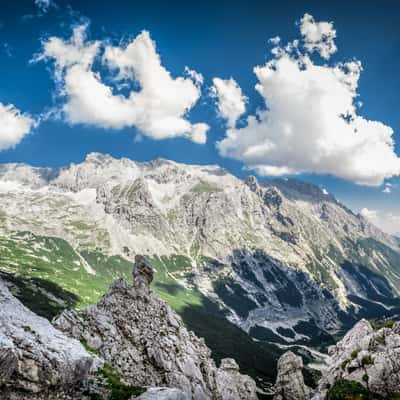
367,360
348,390
118,389
89,348
354,354
345,362
382,324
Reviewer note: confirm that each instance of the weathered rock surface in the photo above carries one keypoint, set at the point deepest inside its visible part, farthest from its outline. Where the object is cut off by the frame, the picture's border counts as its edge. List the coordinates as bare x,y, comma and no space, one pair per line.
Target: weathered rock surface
163,394
36,360
231,385
290,382
370,357
143,338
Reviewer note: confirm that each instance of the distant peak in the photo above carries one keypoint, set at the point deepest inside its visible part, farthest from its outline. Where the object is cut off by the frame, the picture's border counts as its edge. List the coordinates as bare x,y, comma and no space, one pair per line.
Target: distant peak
98,157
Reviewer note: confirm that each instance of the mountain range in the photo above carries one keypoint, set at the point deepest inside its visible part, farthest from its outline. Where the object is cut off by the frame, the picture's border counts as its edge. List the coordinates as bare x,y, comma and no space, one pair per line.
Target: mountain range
274,264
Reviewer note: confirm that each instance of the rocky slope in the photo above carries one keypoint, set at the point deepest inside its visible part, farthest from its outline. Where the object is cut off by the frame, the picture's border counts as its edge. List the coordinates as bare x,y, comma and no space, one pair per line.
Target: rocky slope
364,365
36,360
148,344
283,260
132,340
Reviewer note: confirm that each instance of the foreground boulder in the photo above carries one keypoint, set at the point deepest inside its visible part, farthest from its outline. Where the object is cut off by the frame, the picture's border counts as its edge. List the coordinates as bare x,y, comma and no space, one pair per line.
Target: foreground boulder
148,344
163,394
370,357
36,360
290,382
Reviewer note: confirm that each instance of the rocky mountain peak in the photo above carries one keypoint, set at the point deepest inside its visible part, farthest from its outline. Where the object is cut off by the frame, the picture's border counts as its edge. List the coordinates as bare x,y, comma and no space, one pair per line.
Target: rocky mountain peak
142,273
290,382
147,342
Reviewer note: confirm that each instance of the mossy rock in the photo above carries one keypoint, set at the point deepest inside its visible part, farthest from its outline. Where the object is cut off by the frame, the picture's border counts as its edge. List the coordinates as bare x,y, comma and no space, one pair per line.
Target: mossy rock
118,389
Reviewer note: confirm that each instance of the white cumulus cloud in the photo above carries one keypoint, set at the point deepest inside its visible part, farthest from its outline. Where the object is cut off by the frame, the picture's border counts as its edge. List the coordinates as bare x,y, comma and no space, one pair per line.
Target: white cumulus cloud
14,126
388,221
231,102
159,105
318,36
310,123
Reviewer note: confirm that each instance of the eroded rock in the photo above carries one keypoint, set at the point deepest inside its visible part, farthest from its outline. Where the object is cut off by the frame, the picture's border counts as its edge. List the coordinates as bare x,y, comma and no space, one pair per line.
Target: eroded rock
163,394
367,356
290,382
147,342
37,361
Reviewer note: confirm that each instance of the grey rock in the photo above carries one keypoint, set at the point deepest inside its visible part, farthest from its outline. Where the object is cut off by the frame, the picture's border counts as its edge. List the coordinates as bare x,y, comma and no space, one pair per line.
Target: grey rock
231,385
290,382
163,394
37,360
369,357
147,342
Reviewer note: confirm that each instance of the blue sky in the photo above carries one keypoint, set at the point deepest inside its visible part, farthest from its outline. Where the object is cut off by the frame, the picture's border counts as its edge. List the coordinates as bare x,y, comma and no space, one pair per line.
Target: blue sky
217,39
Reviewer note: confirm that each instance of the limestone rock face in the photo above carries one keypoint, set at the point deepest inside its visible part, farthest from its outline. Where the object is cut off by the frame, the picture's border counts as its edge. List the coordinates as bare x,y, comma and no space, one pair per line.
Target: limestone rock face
290,382
143,338
231,385
37,360
370,357
163,394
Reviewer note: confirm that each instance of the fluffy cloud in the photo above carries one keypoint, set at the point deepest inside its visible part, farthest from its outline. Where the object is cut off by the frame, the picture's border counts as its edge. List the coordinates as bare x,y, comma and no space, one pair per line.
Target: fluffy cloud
318,36
385,220
158,109
13,126
311,124
231,102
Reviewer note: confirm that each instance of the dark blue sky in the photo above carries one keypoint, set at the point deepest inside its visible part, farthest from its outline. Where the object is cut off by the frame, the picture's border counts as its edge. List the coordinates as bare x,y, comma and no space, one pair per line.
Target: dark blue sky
216,38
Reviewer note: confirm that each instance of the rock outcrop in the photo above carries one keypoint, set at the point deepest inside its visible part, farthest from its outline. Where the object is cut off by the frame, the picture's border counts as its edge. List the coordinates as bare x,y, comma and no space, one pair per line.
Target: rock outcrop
163,394
364,364
36,360
290,382
367,356
148,344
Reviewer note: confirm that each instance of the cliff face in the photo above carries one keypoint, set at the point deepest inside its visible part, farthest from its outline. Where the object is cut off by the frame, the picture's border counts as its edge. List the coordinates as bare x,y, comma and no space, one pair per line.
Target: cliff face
147,343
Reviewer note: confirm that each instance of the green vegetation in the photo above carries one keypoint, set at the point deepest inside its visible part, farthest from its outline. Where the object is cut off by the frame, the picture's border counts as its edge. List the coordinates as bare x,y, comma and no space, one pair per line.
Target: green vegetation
118,390
354,354
49,268
344,363
350,390
383,324
205,187
166,281
367,360
90,349
43,297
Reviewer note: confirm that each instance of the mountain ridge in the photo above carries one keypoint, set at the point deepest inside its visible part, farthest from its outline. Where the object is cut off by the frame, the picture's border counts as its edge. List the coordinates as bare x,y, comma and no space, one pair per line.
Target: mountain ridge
283,260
